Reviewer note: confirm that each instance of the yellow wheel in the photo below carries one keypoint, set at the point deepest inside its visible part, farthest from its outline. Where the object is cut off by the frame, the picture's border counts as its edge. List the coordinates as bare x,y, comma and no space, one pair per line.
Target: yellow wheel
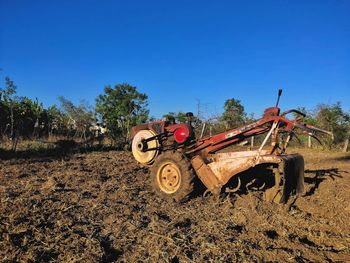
172,176
168,177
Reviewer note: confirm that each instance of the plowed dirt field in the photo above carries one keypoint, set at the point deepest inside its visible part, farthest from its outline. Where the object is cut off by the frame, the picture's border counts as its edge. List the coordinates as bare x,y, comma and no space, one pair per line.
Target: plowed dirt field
98,207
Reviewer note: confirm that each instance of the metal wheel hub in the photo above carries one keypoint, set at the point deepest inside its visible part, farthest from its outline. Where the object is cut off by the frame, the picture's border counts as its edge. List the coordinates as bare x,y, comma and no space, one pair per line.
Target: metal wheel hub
169,177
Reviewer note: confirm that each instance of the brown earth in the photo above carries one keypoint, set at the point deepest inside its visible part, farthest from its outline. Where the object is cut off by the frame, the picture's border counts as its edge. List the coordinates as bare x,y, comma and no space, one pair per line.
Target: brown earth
99,207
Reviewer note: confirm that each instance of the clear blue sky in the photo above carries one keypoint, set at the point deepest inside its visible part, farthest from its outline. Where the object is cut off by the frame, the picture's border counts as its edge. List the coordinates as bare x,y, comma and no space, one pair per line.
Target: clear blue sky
179,52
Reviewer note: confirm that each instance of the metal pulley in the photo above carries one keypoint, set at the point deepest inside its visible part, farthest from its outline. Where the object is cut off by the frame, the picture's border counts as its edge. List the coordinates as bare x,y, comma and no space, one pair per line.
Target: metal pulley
139,145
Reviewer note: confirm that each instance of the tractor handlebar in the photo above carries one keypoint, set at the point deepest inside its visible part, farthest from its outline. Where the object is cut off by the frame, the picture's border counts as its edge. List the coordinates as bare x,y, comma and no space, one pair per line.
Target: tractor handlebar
293,111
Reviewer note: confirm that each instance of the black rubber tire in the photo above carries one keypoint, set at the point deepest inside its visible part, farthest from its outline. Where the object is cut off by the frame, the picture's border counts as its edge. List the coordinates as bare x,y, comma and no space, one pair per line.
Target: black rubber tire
187,176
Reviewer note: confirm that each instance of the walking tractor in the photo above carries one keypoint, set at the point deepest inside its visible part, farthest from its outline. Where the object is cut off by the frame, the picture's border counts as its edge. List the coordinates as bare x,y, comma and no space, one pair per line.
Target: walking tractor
177,159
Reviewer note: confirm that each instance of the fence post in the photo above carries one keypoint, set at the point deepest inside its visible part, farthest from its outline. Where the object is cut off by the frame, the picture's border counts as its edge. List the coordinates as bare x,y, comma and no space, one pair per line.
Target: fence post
309,142
203,128
346,144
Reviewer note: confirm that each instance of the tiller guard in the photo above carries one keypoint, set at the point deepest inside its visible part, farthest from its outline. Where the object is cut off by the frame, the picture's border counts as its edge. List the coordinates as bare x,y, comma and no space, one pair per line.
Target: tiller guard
290,182
288,170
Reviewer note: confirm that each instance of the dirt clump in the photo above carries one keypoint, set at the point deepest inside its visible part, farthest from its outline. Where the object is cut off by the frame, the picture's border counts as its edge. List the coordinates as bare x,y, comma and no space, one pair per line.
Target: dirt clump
99,207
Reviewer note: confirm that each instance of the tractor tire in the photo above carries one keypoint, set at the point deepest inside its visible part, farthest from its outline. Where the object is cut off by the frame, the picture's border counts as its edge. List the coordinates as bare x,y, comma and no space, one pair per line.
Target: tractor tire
172,177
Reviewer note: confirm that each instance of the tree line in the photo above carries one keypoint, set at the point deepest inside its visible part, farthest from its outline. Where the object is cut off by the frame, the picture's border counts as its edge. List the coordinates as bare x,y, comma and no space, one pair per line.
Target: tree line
122,106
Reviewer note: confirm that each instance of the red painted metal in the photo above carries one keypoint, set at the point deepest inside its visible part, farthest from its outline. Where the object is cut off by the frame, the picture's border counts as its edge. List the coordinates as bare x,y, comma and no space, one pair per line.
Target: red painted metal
181,134
227,138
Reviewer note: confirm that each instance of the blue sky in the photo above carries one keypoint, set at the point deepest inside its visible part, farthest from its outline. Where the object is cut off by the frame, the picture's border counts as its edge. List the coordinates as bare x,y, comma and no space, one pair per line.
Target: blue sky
180,52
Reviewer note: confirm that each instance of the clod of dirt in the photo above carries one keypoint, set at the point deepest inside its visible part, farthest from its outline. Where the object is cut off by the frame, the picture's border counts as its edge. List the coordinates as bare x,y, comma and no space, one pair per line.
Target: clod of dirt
271,234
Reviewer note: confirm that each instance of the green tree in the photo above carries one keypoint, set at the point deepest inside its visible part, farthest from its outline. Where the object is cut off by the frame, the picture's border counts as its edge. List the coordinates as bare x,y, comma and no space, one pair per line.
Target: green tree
37,108
179,117
309,118
26,114
120,108
7,97
234,114
334,119
57,121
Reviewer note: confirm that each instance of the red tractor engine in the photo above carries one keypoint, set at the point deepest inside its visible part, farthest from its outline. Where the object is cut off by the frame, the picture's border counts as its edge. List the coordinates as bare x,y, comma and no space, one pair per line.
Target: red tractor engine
149,139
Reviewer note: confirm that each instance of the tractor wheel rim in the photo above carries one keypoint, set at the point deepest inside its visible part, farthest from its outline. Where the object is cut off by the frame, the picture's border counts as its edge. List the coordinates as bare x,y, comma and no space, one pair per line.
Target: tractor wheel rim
169,178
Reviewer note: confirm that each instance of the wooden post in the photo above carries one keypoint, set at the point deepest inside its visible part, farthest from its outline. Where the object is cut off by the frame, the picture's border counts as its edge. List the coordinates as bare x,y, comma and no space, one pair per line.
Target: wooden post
252,141
309,142
346,144
203,128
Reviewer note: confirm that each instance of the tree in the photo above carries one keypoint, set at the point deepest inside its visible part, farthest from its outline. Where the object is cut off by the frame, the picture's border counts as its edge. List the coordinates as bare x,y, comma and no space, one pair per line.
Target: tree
309,118
178,116
120,108
334,119
37,108
81,116
7,98
55,120
234,114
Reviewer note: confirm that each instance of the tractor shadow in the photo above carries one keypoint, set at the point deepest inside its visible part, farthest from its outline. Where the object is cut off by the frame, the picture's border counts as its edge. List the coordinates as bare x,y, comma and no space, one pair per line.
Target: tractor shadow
342,158
319,176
